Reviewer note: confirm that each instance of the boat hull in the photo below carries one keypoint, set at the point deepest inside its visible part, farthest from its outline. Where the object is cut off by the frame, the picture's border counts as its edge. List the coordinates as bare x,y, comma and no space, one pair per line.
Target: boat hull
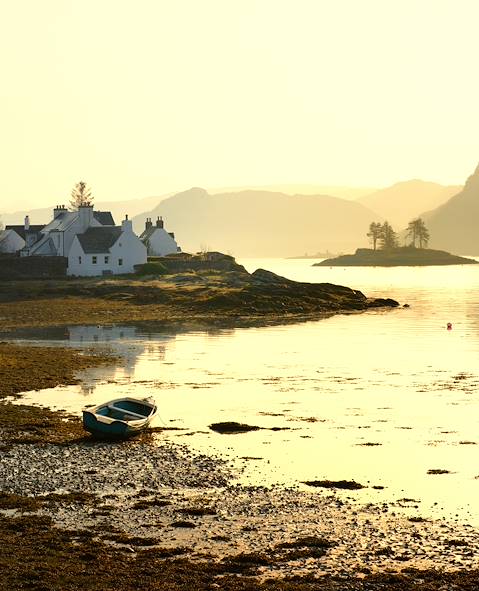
119,418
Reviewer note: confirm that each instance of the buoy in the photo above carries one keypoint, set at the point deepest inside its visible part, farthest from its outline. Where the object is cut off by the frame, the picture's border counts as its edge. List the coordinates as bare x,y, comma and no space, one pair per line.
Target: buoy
449,326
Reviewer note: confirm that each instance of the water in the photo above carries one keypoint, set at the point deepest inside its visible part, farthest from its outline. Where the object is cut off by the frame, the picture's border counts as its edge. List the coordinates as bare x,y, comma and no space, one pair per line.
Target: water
380,397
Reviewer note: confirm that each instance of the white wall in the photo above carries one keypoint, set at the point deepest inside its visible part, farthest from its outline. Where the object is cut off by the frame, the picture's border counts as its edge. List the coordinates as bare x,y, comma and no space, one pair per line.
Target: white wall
12,241
128,248
161,243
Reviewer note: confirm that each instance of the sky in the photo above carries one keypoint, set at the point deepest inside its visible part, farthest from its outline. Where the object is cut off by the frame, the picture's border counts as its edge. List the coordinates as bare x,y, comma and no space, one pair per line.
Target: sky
146,97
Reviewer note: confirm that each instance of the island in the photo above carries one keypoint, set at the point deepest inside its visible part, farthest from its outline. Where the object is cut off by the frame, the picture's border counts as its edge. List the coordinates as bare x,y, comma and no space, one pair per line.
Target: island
405,256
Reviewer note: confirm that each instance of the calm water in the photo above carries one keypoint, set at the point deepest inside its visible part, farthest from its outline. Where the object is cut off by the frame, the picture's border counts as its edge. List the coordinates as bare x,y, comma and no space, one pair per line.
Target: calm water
397,379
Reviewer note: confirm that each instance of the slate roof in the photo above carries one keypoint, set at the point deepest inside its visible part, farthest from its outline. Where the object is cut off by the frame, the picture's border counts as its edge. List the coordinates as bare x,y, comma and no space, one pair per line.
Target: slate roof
148,232
104,217
20,229
62,221
99,240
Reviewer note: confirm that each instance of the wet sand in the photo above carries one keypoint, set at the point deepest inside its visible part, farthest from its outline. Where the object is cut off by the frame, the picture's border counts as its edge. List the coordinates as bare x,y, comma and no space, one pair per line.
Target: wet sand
178,520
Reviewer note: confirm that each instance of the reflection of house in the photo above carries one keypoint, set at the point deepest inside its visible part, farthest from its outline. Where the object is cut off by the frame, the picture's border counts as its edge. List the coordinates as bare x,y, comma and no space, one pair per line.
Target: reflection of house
157,240
126,341
89,240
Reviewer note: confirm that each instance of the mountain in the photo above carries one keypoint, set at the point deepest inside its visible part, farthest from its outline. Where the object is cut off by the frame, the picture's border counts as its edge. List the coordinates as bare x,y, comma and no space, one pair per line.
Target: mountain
262,223
118,209
454,225
404,201
302,189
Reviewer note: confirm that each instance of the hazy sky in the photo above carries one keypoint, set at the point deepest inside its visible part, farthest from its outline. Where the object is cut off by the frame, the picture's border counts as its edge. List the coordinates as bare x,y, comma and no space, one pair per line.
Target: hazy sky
142,97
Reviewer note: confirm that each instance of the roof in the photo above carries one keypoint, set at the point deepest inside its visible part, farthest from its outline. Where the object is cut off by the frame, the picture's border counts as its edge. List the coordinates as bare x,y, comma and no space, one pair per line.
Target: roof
104,217
148,233
20,229
99,240
62,221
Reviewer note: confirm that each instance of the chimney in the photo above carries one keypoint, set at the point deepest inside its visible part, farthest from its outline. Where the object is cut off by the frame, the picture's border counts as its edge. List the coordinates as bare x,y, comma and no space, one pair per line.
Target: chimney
126,225
85,216
27,222
159,222
148,224
58,210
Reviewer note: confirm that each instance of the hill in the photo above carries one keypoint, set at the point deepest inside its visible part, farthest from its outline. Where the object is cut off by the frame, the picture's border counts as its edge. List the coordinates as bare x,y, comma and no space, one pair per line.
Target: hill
453,225
404,201
262,223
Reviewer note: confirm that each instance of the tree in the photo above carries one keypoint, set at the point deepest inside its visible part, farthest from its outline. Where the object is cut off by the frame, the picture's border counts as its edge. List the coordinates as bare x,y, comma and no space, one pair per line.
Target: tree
81,195
417,230
388,237
374,233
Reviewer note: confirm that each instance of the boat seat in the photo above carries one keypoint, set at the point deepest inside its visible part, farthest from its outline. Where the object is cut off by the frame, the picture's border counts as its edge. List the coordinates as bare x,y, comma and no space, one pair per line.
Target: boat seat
127,413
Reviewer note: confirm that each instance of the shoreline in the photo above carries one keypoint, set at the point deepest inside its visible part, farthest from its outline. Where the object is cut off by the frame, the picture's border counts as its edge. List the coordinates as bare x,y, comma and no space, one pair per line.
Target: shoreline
186,512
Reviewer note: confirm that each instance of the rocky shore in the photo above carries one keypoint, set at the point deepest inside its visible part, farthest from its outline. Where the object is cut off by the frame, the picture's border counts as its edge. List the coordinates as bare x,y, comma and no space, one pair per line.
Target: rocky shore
216,292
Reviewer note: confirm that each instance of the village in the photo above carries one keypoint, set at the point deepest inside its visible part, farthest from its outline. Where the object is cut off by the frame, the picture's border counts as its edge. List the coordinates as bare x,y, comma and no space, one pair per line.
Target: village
85,242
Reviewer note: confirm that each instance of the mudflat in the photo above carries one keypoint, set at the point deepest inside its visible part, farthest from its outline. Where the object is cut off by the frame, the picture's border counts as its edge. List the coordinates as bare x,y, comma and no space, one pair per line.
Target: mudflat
76,513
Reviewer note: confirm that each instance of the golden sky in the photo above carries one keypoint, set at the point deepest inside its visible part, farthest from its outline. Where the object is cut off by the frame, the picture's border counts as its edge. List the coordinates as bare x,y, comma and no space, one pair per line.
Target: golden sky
143,97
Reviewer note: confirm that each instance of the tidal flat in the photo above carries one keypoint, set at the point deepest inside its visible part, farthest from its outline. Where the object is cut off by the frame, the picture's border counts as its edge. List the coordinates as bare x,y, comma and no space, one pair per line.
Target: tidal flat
151,513
72,508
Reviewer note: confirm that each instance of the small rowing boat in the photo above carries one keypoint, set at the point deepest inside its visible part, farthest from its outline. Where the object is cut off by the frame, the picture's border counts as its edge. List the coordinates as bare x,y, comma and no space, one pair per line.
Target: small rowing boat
121,417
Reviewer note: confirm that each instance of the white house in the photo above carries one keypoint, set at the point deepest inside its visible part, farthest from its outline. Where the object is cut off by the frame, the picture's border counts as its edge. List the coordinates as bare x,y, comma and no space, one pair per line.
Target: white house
10,241
57,236
89,240
21,236
157,240
106,250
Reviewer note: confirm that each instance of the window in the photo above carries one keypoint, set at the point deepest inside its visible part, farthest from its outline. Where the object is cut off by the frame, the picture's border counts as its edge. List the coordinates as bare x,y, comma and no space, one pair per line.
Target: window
79,260
120,262
107,260
93,260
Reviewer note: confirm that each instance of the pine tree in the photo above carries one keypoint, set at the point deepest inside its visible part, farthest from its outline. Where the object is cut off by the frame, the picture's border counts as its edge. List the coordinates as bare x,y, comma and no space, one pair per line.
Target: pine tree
81,195
374,233
388,237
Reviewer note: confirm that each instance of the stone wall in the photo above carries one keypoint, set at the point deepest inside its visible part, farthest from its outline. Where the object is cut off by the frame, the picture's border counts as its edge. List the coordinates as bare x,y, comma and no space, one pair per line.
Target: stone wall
214,261
15,267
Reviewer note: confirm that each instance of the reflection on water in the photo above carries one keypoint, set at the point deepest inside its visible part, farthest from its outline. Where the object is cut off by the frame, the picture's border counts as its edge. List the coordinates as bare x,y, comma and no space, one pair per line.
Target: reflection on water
381,397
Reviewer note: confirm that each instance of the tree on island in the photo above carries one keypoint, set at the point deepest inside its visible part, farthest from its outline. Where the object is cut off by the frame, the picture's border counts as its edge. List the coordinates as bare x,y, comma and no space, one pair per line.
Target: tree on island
388,237
81,195
417,230
374,233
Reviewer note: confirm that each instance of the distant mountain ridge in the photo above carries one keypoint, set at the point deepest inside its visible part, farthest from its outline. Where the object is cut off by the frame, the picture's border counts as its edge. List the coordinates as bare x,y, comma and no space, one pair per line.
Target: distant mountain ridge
118,209
404,201
262,223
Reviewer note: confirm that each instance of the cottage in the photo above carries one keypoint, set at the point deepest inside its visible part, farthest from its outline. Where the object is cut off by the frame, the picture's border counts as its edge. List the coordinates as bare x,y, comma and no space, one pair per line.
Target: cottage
88,239
106,250
10,242
157,240
57,236
21,236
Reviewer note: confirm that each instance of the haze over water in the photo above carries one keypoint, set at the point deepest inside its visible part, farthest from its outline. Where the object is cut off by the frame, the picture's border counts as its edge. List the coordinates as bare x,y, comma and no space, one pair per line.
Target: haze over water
397,379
